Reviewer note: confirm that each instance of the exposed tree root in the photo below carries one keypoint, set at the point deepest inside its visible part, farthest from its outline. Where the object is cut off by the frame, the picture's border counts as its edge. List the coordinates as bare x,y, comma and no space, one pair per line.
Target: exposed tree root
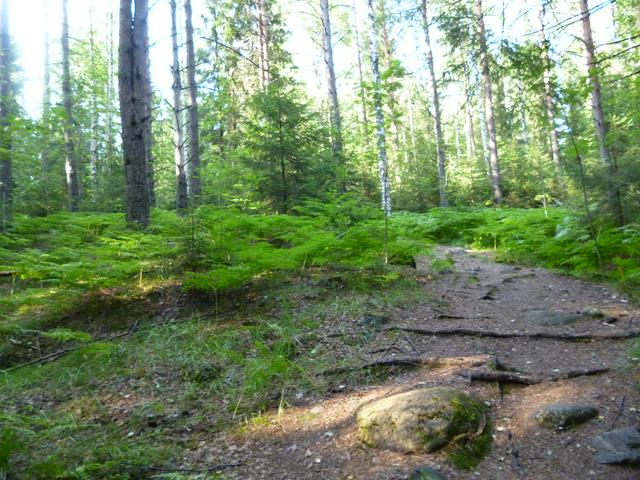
496,334
431,362
513,377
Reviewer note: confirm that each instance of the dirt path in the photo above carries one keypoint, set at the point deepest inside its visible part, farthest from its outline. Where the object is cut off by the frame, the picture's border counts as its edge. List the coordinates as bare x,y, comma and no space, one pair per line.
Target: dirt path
317,439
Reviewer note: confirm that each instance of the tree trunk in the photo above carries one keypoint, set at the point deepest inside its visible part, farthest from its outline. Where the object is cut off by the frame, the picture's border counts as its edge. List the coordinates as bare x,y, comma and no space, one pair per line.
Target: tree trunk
435,99
45,158
468,119
377,103
363,95
194,122
182,199
494,164
613,191
94,135
263,36
71,167
135,111
549,106
6,90
336,129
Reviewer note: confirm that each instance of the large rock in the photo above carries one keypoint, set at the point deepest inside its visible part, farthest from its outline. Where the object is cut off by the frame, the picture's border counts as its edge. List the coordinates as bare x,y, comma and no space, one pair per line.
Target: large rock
426,473
421,420
562,416
618,447
551,318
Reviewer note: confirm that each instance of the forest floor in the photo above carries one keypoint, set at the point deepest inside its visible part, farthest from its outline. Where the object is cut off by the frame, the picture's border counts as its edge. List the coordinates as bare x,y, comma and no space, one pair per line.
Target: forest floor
172,397
317,437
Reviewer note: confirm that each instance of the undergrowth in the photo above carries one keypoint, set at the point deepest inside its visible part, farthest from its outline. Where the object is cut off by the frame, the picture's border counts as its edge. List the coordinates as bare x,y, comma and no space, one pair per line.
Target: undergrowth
109,409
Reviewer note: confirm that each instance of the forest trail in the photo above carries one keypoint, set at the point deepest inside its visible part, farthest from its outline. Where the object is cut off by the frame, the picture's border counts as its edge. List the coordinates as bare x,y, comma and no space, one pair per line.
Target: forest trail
316,438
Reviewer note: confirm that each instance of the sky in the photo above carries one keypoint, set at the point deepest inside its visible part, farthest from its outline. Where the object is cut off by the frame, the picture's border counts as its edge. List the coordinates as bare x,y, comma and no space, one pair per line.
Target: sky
29,19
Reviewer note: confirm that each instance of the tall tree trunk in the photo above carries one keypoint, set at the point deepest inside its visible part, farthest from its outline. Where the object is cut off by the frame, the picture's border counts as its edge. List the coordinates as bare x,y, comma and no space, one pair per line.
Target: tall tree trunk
470,136
549,105
327,47
494,164
45,158
263,36
135,110
6,90
182,199
194,122
94,135
613,191
71,166
363,95
435,99
111,75
383,168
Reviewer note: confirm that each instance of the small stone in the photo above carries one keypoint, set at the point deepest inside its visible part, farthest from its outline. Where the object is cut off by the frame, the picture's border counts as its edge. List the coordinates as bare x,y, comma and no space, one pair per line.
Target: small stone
426,473
618,447
562,416
550,318
374,320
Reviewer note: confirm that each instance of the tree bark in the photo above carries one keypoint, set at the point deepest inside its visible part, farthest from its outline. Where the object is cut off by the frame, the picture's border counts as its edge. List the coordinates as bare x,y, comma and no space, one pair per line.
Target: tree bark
437,116
193,131
182,199
549,106
6,90
71,166
613,191
383,169
94,135
468,119
263,36
363,95
327,47
494,164
135,111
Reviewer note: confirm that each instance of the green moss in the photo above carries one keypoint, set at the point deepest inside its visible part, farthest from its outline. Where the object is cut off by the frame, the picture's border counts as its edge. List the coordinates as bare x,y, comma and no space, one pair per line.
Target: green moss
467,455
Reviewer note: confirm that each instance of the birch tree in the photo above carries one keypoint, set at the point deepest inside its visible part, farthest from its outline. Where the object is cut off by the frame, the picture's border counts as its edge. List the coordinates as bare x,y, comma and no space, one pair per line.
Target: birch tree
135,109
379,113
494,164
612,189
71,166
435,99
182,199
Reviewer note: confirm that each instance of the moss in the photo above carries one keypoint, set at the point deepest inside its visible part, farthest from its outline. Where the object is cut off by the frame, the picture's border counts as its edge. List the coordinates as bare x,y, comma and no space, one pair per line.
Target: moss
468,455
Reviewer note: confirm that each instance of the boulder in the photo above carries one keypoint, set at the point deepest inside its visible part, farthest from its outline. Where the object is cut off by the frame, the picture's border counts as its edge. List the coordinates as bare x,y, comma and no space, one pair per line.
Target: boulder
422,420
618,447
550,318
562,416
426,473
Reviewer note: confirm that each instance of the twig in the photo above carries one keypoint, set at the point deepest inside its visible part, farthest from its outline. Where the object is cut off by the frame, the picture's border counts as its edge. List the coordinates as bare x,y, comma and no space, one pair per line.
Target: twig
495,334
619,414
211,469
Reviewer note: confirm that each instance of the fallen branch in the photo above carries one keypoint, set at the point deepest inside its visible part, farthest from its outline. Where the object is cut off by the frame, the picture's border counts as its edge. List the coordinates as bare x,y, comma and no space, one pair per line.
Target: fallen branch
432,362
59,353
211,469
496,334
521,379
